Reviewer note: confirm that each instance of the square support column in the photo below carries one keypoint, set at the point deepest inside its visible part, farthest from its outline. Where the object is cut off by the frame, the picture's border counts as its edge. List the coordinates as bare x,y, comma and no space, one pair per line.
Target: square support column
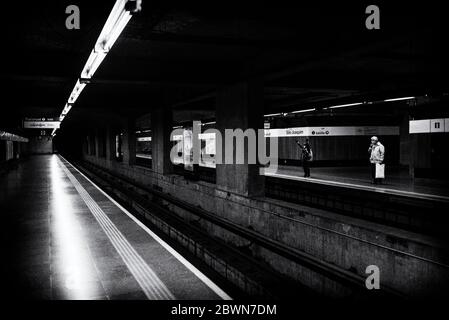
90,143
110,143
97,142
406,157
404,140
162,126
240,106
129,143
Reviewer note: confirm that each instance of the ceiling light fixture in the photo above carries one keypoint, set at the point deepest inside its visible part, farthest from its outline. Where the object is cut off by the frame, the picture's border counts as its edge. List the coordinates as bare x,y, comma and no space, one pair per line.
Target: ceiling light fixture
273,115
92,64
117,20
345,105
302,111
76,91
399,99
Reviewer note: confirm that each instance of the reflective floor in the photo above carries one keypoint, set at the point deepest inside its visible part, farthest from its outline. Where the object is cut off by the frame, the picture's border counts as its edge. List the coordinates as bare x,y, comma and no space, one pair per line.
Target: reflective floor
64,239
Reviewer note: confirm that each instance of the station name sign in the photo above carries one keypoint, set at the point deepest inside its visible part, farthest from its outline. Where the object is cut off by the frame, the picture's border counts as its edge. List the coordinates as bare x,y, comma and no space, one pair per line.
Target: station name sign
332,131
41,123
317,132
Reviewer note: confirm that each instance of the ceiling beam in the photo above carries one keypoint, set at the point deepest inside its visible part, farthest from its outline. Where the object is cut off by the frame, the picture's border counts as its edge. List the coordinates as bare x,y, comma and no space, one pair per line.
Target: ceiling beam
104,81
218,41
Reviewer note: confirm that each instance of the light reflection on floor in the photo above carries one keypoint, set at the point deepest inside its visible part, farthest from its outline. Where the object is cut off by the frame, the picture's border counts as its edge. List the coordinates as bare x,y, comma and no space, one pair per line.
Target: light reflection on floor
70,257
58,250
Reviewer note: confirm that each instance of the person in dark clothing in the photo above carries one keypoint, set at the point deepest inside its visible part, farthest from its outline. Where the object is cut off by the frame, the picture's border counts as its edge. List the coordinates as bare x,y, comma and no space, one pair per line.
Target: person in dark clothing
306,157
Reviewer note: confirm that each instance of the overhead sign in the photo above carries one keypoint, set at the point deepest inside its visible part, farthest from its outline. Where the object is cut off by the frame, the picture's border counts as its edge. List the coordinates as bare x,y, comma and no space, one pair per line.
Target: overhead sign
39,124
41,119
144,139
429,126
332,131
286,132
437,125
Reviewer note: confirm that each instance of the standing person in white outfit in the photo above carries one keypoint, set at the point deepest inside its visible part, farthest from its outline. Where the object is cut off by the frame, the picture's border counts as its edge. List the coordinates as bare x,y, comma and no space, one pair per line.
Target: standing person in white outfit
377,155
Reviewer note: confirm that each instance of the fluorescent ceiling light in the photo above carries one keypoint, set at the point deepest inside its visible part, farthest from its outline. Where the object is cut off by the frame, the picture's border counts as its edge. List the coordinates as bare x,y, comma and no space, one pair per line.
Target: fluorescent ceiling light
92,64
76,91
305,110
344,105
399,99
116,22
273,115
143,131
66,109
124,18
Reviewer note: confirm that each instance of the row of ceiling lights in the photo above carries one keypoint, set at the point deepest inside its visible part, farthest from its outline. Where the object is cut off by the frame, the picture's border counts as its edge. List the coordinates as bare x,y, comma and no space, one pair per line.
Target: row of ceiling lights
284,114
116,22
335,107
118,19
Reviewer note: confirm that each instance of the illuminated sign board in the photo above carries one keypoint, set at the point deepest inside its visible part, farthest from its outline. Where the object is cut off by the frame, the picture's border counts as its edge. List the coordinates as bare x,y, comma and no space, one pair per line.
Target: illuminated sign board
332,131
144,139
39,124
429,126
437,125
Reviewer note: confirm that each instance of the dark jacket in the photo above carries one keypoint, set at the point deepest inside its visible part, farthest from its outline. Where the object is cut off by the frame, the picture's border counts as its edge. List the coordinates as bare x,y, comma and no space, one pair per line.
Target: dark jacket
307,153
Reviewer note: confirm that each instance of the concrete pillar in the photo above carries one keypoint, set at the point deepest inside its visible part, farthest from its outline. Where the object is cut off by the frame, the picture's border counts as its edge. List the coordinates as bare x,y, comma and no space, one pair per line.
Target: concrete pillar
89,144
18,150
162,126
129,143
97,142
421,152
85,146
405,145
2,150
240,106
110,143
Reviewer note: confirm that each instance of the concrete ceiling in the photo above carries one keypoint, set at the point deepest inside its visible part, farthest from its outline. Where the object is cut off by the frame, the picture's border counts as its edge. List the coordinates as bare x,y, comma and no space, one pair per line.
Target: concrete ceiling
173,54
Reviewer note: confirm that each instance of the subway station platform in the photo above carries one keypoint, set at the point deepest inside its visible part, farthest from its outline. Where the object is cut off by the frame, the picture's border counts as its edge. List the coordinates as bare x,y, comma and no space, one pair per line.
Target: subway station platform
133,149
64,238
397,182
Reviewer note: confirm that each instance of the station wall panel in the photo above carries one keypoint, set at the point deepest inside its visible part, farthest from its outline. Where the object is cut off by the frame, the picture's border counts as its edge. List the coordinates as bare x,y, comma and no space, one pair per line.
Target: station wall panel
339,148
39,145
